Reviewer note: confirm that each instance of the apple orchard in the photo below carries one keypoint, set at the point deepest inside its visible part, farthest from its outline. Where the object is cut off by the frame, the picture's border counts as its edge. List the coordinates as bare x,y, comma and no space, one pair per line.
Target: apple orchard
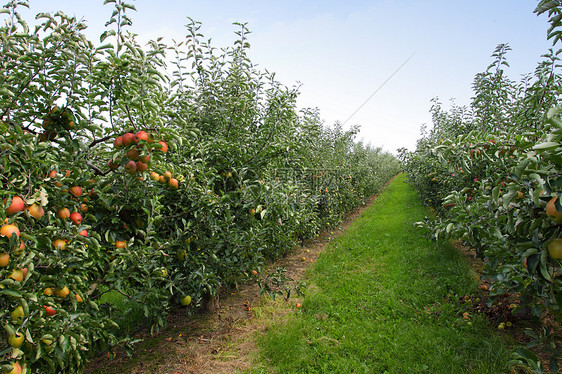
127,176
491,172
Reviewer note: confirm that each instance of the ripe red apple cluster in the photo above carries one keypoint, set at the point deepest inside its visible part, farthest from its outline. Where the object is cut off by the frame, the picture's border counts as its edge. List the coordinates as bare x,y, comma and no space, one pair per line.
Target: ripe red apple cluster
18,205
36,211
138,151
15,206
75,217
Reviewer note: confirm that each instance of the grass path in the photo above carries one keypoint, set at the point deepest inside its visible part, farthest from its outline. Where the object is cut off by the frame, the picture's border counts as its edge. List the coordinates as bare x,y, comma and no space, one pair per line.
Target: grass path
380,299
383,299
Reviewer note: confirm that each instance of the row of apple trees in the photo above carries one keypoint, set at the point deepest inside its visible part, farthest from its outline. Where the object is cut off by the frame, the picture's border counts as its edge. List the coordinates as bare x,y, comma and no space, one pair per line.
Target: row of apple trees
491,171
156,173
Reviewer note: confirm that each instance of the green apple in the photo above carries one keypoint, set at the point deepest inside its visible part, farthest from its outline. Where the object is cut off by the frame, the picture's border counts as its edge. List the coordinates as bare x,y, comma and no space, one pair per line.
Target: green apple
48,344
18,312
186,300
16,340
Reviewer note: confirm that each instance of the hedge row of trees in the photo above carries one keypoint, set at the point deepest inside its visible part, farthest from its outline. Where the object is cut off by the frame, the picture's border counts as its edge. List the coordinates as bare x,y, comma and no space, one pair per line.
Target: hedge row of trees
156,173
491,171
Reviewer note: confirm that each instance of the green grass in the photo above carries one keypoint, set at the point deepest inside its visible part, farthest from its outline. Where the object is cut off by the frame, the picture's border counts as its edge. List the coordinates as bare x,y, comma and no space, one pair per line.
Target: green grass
385,300
128,315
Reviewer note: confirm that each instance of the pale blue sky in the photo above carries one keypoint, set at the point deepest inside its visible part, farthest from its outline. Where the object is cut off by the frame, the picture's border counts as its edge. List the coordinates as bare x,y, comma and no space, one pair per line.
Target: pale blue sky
342,51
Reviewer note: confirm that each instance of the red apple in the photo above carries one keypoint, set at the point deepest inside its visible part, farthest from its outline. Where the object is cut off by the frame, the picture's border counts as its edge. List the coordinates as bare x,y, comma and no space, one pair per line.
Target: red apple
128,139
131,167
76,218
17,275
141,166
118,142
9,230
144,159
173,182
36,211
141,135
59,244
17,205
133,154
16,368
112,165
76,191
63,213
50,311
4,259
164,148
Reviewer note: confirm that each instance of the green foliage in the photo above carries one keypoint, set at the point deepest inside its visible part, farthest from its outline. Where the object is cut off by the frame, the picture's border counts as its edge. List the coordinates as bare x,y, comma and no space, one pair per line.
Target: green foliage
190,177
489,172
